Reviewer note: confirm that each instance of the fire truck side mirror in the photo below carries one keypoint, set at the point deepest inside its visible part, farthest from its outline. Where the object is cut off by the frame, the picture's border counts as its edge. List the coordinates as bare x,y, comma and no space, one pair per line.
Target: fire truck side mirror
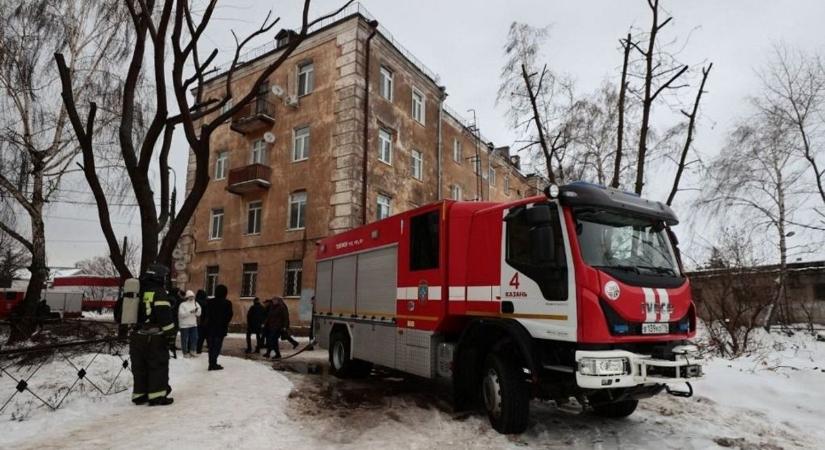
542,244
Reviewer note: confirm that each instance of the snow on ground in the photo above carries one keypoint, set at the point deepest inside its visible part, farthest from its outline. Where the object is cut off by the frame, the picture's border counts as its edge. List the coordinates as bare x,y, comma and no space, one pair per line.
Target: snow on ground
103,316
772,398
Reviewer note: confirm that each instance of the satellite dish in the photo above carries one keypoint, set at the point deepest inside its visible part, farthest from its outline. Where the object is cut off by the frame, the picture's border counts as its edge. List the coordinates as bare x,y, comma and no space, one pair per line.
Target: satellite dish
269,137
180,265
277,90
177,253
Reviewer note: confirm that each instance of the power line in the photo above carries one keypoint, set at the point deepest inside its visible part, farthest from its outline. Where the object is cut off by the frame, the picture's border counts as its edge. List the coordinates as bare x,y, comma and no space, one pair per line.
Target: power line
80,219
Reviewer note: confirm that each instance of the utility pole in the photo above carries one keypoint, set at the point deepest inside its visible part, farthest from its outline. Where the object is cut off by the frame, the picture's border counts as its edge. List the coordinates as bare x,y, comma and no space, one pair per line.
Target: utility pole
477,162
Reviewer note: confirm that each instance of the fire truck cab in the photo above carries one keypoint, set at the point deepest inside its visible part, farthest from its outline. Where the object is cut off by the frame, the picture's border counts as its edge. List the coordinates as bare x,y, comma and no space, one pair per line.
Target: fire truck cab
577,293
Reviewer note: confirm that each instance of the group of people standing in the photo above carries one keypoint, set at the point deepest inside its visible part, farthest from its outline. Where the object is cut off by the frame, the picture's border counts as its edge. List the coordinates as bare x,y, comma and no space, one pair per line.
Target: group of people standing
202,319
269,323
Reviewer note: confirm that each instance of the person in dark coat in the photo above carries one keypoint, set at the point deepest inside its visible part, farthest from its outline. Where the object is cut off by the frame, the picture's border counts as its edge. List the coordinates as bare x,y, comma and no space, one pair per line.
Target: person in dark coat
277,318
201,299
285,330
218,315
254,321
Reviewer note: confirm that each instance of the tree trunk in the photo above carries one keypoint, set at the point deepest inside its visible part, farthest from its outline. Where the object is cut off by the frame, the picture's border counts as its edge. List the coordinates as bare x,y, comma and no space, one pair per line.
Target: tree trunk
617,162
647,100
25,322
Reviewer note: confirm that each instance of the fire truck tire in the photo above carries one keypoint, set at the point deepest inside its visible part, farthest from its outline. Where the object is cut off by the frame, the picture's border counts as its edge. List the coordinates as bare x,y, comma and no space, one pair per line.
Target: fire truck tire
616,410
341,363
505,395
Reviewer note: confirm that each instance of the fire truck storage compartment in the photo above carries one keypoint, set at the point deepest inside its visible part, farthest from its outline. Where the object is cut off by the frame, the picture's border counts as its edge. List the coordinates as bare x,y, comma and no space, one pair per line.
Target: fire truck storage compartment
361,285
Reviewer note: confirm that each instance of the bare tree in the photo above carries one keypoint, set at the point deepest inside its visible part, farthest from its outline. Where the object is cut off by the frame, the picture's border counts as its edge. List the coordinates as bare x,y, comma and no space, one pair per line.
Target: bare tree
794,91
168,33
660,73
691,126
615,182
102,265
35,147
756,177
540,102
727,300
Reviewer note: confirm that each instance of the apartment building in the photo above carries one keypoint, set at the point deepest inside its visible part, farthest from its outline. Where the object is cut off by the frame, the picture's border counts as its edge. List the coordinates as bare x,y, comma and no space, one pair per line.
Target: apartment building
350,129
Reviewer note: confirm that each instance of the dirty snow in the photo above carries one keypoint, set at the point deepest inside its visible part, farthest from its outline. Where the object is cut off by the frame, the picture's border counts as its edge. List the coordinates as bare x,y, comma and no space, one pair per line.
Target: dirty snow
772,398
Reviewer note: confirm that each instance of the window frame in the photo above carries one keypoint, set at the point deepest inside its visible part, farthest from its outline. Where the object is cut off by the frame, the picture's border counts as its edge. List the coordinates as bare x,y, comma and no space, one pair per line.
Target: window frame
381,145
305,139
458,153
422,106
221,161
417,165
213,214
256,206
386,79
210,289
251,283
258,147
506,185
518,229
491,176
309,81
456,188
297,273
386,204
301,215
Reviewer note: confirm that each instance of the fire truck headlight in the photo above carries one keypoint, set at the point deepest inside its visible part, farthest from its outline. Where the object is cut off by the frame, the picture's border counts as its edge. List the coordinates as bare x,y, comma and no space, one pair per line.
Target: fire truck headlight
603,366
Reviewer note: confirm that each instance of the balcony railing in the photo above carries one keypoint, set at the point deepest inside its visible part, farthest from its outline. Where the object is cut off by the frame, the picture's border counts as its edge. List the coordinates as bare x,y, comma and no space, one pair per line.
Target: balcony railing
251,178
255,116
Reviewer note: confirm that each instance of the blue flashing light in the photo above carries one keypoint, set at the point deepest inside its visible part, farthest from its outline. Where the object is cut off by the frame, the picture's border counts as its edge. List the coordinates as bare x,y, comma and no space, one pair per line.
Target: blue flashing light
684,326
620,328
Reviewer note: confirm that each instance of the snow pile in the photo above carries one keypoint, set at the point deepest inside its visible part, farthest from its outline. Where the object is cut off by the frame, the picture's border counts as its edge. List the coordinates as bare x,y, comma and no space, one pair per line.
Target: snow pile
240,407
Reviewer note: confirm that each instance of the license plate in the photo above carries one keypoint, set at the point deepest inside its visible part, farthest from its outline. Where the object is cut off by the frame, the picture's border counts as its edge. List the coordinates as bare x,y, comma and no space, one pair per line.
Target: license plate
655,328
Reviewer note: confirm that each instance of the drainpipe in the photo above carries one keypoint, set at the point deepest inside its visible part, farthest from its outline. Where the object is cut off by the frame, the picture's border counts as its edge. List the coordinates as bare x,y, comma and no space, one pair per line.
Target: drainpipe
365,157
440,142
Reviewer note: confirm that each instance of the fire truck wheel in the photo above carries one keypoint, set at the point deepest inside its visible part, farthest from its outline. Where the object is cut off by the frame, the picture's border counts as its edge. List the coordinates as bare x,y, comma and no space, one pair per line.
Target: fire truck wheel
505,394
340,362
616,410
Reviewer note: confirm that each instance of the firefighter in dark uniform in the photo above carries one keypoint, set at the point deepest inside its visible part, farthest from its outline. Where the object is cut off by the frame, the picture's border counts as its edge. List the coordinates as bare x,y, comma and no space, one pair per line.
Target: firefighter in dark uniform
150,339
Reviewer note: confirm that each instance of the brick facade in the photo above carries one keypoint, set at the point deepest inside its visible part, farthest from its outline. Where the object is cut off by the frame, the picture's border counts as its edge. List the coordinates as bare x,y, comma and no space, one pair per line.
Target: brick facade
331,177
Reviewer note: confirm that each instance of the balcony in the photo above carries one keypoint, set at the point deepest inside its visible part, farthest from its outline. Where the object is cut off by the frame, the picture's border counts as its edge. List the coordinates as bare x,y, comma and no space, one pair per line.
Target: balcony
255,116
251,178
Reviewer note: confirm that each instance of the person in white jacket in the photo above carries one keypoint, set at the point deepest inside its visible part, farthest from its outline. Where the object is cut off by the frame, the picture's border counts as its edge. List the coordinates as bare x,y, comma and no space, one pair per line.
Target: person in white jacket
188,313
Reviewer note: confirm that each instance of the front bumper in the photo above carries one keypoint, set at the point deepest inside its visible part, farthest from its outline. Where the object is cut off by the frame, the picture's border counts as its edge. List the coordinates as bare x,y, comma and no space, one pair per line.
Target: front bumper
638,369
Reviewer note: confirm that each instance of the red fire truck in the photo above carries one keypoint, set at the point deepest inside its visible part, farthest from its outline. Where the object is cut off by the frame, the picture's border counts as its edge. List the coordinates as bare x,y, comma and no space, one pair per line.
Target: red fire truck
577,293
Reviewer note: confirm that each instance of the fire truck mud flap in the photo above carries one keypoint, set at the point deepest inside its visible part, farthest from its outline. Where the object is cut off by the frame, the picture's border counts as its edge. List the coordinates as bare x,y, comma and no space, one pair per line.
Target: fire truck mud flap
607,369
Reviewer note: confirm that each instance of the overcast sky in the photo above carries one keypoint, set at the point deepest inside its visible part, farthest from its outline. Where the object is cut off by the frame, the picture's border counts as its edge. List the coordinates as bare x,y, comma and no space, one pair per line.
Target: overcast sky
462,42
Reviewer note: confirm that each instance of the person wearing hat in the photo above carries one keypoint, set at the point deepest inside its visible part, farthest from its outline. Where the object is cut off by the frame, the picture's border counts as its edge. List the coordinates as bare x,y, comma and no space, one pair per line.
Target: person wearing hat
188,313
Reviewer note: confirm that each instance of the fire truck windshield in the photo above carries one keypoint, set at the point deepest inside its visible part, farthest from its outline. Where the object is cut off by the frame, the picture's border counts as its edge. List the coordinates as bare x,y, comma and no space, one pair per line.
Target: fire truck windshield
610,240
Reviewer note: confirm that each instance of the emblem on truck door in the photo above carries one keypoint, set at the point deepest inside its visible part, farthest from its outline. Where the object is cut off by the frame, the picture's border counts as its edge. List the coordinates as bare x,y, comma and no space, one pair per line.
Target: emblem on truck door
423,291
611,290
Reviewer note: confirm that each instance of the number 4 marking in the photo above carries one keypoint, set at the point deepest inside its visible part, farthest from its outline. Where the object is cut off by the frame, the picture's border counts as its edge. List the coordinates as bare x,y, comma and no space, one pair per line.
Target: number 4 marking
514,281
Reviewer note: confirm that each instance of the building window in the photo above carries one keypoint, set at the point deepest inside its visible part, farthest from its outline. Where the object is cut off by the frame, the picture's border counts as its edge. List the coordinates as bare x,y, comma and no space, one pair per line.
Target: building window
216,224
220,165
385,146
249,281
507,185
491,175
306,79
456,192
258,152
386,83
297,210
253,218
292,278
457,150
300,144
262,102
384,208
211,280
418,105
226,106
417,165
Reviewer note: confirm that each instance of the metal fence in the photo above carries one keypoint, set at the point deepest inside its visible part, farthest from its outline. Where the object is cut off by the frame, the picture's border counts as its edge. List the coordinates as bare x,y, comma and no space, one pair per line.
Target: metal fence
96,367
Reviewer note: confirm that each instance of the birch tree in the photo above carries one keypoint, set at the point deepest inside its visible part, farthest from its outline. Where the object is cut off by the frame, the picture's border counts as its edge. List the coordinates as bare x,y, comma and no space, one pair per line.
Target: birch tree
36,148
